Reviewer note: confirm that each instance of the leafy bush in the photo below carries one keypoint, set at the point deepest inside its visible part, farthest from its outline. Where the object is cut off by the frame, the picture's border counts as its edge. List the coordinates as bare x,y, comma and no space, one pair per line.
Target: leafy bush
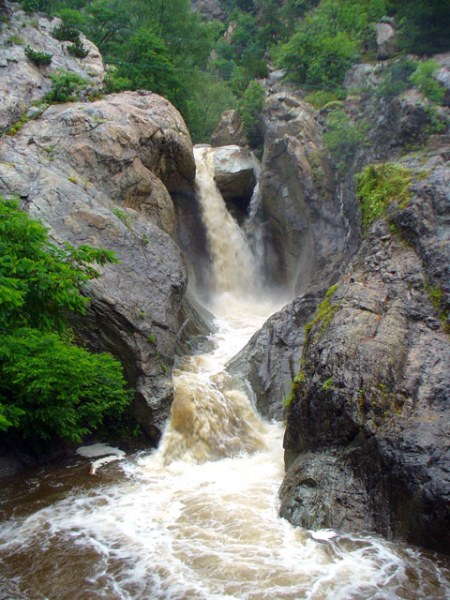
66,87
396,78
250,108
49,388
61,391
77,49
378,185
423,79
320,98
65,33
37,57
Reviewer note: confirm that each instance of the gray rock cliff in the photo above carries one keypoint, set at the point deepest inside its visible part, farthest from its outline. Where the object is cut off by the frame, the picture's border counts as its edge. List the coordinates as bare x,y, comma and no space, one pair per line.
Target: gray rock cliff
367,434
101,173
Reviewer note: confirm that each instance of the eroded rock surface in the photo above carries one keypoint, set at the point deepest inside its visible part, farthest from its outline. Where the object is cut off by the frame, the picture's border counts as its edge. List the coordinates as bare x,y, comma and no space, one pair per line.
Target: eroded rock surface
100,173
369,419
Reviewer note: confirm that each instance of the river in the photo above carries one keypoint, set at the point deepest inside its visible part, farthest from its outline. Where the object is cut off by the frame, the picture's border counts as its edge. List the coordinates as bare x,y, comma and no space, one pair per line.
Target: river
196,519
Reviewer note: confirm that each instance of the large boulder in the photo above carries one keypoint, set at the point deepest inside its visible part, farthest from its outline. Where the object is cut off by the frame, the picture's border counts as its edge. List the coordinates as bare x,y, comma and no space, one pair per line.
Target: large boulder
368,428
235,172
100,173
21,81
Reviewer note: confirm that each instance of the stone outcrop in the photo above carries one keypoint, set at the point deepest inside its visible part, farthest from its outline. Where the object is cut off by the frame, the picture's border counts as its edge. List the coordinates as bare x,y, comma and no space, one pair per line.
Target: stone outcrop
21,81
305,233
100,173
387,40
229,130
269,362
367,435
234,172
209,9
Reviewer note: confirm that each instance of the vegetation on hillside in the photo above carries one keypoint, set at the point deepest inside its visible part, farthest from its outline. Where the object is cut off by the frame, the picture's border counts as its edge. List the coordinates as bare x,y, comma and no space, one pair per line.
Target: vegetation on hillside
50,388
204,68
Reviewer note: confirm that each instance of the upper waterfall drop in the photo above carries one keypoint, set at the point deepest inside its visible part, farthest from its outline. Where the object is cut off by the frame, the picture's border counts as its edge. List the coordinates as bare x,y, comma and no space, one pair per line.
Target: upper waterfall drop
233,265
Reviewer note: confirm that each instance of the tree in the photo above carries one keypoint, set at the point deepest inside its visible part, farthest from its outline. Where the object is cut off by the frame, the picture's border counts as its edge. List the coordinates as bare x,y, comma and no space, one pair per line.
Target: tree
49,388
250,108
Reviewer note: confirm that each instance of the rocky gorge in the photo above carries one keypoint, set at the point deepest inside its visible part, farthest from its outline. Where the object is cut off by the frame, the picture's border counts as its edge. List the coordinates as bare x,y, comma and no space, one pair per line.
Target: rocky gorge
360,355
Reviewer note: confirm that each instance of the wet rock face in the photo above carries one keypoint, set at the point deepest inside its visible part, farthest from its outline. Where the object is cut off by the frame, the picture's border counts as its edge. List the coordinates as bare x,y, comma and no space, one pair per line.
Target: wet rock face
100,173
305,229
234,172
370,412
22,82
270,360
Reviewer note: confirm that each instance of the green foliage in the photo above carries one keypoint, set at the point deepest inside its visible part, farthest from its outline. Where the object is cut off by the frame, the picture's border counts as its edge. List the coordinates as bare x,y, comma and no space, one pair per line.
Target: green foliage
343,138
64,33
327,41
31,6
40,282
77,49
321,98
297,383
66,87
49,388
327,385
424,24
15,40
378,185
207,100
123,216
423,79
250,108
324,314
37,57
17,126
396,78
62,391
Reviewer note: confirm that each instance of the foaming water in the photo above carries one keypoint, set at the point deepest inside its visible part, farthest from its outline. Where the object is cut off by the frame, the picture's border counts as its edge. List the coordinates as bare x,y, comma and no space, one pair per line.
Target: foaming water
198,518
199,522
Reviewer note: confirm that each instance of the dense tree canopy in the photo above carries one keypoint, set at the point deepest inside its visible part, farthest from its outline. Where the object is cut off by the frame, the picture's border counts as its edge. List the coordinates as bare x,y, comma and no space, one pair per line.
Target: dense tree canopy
205,68
49,388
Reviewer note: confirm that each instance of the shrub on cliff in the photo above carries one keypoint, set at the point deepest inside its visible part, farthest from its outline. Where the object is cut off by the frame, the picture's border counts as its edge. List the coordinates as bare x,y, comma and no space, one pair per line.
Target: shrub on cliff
50,389
66,87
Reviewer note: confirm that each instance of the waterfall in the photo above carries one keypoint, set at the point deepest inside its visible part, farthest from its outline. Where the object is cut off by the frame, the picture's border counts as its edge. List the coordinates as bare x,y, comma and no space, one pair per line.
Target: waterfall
197,519
233,265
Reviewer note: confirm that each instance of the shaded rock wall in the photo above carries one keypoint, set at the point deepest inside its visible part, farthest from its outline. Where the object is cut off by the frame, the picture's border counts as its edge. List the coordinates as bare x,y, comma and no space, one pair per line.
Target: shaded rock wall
305,230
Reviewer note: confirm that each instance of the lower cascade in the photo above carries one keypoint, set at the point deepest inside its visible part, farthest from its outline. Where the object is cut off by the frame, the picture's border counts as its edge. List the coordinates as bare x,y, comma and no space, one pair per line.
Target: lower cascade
197,519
